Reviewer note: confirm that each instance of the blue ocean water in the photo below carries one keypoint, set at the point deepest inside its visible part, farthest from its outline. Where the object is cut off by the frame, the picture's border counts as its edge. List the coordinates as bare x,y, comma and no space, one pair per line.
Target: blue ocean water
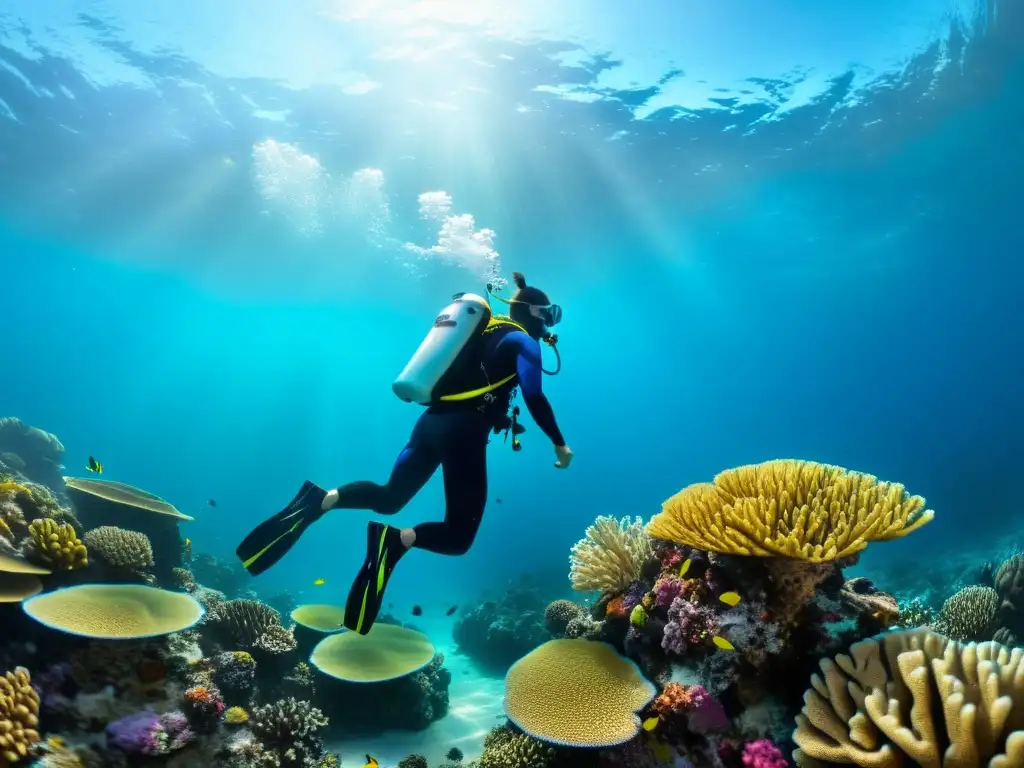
776,230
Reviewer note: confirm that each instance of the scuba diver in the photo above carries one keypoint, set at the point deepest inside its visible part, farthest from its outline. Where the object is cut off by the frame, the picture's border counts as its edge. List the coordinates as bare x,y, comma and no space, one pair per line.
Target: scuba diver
466,372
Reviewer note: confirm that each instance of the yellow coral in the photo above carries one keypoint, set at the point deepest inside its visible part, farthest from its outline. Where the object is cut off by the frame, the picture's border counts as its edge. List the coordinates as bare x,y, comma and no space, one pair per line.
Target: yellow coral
11,488
609,558
5,530
236,716
243,656
19,716
800,509
58,545
915,698
578,693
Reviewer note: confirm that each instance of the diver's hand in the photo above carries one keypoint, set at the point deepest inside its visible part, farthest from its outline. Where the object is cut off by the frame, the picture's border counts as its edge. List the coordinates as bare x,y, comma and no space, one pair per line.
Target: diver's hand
329,500
563,456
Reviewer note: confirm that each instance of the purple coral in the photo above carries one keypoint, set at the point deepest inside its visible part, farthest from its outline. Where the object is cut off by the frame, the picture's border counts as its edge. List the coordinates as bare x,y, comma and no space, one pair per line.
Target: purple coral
705,711
666,590
634,595
688,624
763,754
147,733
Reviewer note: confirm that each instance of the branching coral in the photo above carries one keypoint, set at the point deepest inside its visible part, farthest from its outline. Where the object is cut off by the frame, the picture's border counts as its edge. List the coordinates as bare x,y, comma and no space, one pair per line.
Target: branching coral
289,729
801,509
57,545
252,624
970,614
504,748
611,555
19,716
915,697
120,548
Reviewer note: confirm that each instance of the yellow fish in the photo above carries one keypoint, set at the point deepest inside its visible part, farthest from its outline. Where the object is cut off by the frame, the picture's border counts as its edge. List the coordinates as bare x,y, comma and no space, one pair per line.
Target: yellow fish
94,466
651,723
685,567
371,762
56,743
188,548
722,643
662,751
320,583
730,598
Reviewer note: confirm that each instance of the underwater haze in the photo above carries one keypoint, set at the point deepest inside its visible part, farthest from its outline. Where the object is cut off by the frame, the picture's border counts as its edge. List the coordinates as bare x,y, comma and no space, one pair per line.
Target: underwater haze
776,229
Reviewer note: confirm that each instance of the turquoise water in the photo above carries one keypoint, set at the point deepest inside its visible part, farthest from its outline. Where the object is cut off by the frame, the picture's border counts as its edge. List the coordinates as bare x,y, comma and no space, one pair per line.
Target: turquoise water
784,231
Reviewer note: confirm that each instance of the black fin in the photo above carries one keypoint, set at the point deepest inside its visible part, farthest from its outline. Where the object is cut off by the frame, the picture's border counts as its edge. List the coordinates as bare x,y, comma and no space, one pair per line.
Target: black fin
384,549
270,540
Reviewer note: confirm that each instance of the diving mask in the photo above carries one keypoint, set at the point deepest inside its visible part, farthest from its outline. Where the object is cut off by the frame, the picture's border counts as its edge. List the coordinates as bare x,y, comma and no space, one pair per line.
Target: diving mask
549,314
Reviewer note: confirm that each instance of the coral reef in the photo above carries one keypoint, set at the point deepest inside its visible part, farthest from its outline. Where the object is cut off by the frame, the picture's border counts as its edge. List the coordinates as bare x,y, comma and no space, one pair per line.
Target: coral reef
495,633
693,647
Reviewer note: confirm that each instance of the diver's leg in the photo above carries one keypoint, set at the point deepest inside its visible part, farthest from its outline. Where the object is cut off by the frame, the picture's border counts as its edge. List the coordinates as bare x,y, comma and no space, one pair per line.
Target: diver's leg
414,466
464,464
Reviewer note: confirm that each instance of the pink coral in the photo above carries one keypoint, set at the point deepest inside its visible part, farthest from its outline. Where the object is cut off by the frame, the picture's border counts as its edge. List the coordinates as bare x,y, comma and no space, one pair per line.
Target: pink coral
667,589
706,713
688,624
763,754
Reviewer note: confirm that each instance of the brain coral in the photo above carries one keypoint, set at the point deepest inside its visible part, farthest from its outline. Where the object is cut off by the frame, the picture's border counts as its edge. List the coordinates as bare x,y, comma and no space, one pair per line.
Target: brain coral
578,693
915,698
19,710
801,509
115,611
120,548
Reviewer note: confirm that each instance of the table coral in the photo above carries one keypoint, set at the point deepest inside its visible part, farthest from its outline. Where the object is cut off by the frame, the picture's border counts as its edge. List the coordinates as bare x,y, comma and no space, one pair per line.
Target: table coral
801,509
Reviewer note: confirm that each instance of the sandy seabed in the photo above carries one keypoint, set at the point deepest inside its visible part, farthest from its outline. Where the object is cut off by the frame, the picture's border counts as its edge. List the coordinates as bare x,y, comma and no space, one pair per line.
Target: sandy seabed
476,707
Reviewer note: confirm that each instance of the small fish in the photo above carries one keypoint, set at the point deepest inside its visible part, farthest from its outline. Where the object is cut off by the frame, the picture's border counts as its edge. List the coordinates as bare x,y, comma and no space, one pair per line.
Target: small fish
94,466
662,751
451,610
498,500
56,743
722,643
212,502
685,567
417,611
319,582
188,548
651,723
730,598
371,762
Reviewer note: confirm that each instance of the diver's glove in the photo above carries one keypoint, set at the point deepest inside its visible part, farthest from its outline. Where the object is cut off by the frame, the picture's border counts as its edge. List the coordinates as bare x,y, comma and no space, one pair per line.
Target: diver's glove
563,456
329,500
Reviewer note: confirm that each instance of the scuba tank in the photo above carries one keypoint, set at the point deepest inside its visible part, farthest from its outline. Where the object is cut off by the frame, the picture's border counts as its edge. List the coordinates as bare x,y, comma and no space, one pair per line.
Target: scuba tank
454,328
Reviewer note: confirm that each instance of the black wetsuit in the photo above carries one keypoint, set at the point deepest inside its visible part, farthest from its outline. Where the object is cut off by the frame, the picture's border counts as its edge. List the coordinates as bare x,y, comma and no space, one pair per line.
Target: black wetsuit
454,436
